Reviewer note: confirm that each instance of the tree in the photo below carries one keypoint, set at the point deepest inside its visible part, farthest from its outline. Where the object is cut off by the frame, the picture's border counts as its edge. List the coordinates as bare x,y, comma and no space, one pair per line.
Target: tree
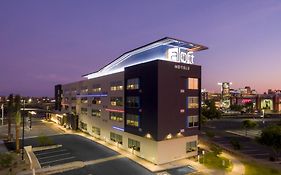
210,111
216,149
17,106
271,136
249,106
10,109
248,124
236,107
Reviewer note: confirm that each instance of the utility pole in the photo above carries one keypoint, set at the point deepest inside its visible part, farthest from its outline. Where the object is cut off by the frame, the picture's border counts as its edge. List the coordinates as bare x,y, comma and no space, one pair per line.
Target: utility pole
22,140
2,107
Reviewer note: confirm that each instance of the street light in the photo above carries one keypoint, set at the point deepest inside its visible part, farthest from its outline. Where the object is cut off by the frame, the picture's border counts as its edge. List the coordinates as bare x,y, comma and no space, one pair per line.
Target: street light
22,140
2,107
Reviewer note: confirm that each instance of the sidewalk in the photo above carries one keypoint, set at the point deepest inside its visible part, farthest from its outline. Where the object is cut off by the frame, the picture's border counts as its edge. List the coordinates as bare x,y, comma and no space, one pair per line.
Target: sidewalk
238,167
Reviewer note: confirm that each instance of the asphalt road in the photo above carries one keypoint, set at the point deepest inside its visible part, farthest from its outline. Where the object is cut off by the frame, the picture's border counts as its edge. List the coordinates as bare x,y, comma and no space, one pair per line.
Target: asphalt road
78,148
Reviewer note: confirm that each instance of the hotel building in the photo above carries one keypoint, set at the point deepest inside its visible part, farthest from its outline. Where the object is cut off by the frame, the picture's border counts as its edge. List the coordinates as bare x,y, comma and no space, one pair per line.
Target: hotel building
147,101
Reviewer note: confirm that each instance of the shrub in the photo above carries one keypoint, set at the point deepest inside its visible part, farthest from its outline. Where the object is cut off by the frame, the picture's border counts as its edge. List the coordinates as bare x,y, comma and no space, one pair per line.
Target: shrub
6,160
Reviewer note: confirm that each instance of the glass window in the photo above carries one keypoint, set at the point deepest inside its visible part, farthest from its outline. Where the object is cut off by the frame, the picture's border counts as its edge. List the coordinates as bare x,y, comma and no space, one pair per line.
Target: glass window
192,102
84,111
191,146
84,100
116,101
96,88
96,112
116,86
192,83
132,120
96,100
192,121
133,83
116,116
135,145
116,137
96,130
83,125
133,102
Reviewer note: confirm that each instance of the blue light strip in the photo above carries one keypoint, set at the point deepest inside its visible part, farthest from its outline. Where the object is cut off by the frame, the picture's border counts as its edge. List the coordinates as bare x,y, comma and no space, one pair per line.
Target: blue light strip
117,128
92,95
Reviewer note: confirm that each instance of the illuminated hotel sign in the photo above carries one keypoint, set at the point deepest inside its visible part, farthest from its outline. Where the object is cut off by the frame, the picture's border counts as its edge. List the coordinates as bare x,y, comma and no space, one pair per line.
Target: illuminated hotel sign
180,55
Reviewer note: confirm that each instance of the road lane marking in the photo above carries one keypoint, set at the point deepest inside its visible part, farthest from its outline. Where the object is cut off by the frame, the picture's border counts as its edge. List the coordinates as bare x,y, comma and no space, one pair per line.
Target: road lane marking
92,162
58,160
46,157
39,154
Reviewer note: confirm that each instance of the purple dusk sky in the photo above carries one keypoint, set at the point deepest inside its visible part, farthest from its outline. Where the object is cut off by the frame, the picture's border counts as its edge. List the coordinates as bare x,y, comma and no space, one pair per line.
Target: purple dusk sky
43,43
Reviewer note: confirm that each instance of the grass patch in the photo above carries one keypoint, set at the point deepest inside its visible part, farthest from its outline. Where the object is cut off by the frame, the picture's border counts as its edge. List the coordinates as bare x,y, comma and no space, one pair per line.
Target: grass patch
252,168
210,160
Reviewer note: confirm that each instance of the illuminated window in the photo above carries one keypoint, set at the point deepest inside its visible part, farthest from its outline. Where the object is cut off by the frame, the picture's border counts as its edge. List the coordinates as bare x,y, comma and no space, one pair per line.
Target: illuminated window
96,100
133,102
116,86
192,83
135,145
116,116
83,126
116,101
96,88
191,146
96,130
84,111
116,138
96,112
192,102
84,100
84,90
132,120
133,84
192,121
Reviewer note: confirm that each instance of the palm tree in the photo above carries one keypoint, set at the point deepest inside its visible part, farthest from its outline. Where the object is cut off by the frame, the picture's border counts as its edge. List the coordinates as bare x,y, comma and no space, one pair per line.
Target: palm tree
10,109
18,121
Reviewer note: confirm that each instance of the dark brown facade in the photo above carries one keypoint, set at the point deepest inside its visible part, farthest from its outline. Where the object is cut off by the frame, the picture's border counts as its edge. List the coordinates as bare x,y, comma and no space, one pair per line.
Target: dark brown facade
163,96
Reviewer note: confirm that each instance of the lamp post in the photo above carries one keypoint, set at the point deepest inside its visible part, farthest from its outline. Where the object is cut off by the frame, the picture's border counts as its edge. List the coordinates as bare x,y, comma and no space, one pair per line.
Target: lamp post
22,140
2,107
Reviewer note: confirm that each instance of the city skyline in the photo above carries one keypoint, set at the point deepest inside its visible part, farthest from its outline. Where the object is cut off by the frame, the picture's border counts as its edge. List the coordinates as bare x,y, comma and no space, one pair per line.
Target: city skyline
47,43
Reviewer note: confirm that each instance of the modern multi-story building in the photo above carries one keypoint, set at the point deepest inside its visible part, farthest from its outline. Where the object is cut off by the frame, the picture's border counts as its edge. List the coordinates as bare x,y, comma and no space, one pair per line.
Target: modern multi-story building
147,101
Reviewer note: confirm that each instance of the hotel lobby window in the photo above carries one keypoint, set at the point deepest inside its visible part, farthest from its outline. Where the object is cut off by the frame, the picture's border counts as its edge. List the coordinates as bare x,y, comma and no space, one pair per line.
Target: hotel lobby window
191,146
132,120
133,83
192,102
96,130
116,138
192,83
135,145
192,121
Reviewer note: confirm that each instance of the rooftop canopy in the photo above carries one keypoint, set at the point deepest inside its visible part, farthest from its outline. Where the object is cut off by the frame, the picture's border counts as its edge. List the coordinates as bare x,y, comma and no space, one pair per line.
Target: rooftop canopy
168,49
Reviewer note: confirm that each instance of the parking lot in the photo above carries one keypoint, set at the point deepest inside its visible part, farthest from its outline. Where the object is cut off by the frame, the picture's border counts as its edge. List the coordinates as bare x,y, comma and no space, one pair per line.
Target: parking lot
55,156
